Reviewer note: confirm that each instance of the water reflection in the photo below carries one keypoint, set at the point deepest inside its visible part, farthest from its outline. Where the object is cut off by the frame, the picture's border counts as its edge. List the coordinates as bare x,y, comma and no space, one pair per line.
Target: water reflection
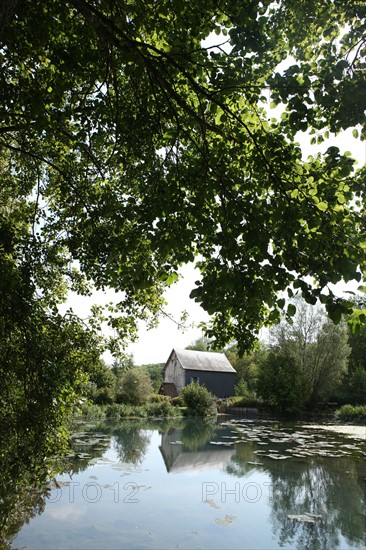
334,491
190,449
317,484
131,444
130,439
316,494
24,472
314,498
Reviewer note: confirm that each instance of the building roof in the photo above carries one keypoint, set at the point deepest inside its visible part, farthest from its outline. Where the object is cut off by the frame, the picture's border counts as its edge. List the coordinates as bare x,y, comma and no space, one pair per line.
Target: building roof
202,360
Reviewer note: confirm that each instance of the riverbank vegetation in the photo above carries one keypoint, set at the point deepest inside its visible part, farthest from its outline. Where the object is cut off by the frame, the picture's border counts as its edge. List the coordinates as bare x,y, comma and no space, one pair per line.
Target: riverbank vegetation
198,400
307,366
352,413
139,401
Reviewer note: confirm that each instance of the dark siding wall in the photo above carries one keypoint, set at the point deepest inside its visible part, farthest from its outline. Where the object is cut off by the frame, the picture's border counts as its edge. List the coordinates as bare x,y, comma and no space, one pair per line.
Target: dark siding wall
220,384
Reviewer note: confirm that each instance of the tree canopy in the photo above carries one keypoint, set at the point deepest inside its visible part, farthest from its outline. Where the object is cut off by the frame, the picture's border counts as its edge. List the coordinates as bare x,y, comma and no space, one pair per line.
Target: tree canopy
136,136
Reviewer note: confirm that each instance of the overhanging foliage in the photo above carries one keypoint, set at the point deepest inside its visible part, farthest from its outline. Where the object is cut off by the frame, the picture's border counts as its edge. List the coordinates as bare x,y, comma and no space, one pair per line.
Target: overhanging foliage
136,148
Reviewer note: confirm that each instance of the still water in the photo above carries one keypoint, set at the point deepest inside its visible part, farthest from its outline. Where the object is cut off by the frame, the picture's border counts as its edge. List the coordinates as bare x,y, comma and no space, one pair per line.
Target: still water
188,484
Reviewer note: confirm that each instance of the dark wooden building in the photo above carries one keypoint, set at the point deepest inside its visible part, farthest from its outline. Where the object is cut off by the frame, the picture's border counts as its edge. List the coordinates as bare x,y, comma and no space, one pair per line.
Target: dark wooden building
211,370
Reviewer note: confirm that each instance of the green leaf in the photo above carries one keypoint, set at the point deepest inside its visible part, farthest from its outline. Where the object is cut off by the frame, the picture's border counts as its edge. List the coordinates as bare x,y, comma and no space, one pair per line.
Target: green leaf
172,278
335,314
323,206
195,293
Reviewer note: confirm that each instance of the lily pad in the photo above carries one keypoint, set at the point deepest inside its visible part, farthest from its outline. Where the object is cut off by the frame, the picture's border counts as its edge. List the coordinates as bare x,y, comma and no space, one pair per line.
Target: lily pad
225,521
212,503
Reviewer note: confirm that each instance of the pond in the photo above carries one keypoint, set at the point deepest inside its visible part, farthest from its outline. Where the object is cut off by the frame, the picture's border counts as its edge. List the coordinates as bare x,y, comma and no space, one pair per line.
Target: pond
234,483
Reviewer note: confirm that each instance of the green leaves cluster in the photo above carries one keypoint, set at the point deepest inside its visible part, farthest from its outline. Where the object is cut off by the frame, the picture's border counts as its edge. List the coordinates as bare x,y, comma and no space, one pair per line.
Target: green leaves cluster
139,139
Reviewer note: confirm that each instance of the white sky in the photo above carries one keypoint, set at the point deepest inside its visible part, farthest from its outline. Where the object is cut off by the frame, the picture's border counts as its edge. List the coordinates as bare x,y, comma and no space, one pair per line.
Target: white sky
154,346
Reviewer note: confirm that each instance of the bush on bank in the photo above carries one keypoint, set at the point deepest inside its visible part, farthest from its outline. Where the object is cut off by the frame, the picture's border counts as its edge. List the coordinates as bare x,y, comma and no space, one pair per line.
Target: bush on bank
354,413
198,400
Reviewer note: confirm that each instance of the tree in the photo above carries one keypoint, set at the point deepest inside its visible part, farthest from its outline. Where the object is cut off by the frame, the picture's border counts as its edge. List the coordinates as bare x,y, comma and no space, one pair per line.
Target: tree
155,372
201,344
122,364
206,172
102,383
307,359
134,387
280,382
246,367
327,362
353,388
357,342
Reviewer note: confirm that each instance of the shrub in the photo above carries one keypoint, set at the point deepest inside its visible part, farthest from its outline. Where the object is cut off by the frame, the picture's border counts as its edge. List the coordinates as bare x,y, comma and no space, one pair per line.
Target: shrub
355,413
104,396
140,411
238,401
162,408
123,410
90,410
198,400
158,398
113,411
241,389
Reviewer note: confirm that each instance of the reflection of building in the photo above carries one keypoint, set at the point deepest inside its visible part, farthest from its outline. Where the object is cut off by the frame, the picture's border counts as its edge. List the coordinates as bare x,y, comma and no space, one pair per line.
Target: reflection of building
211,370
178,458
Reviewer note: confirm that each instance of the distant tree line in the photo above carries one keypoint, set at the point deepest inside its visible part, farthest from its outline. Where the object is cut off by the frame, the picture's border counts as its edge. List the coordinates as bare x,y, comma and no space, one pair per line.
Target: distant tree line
304,365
